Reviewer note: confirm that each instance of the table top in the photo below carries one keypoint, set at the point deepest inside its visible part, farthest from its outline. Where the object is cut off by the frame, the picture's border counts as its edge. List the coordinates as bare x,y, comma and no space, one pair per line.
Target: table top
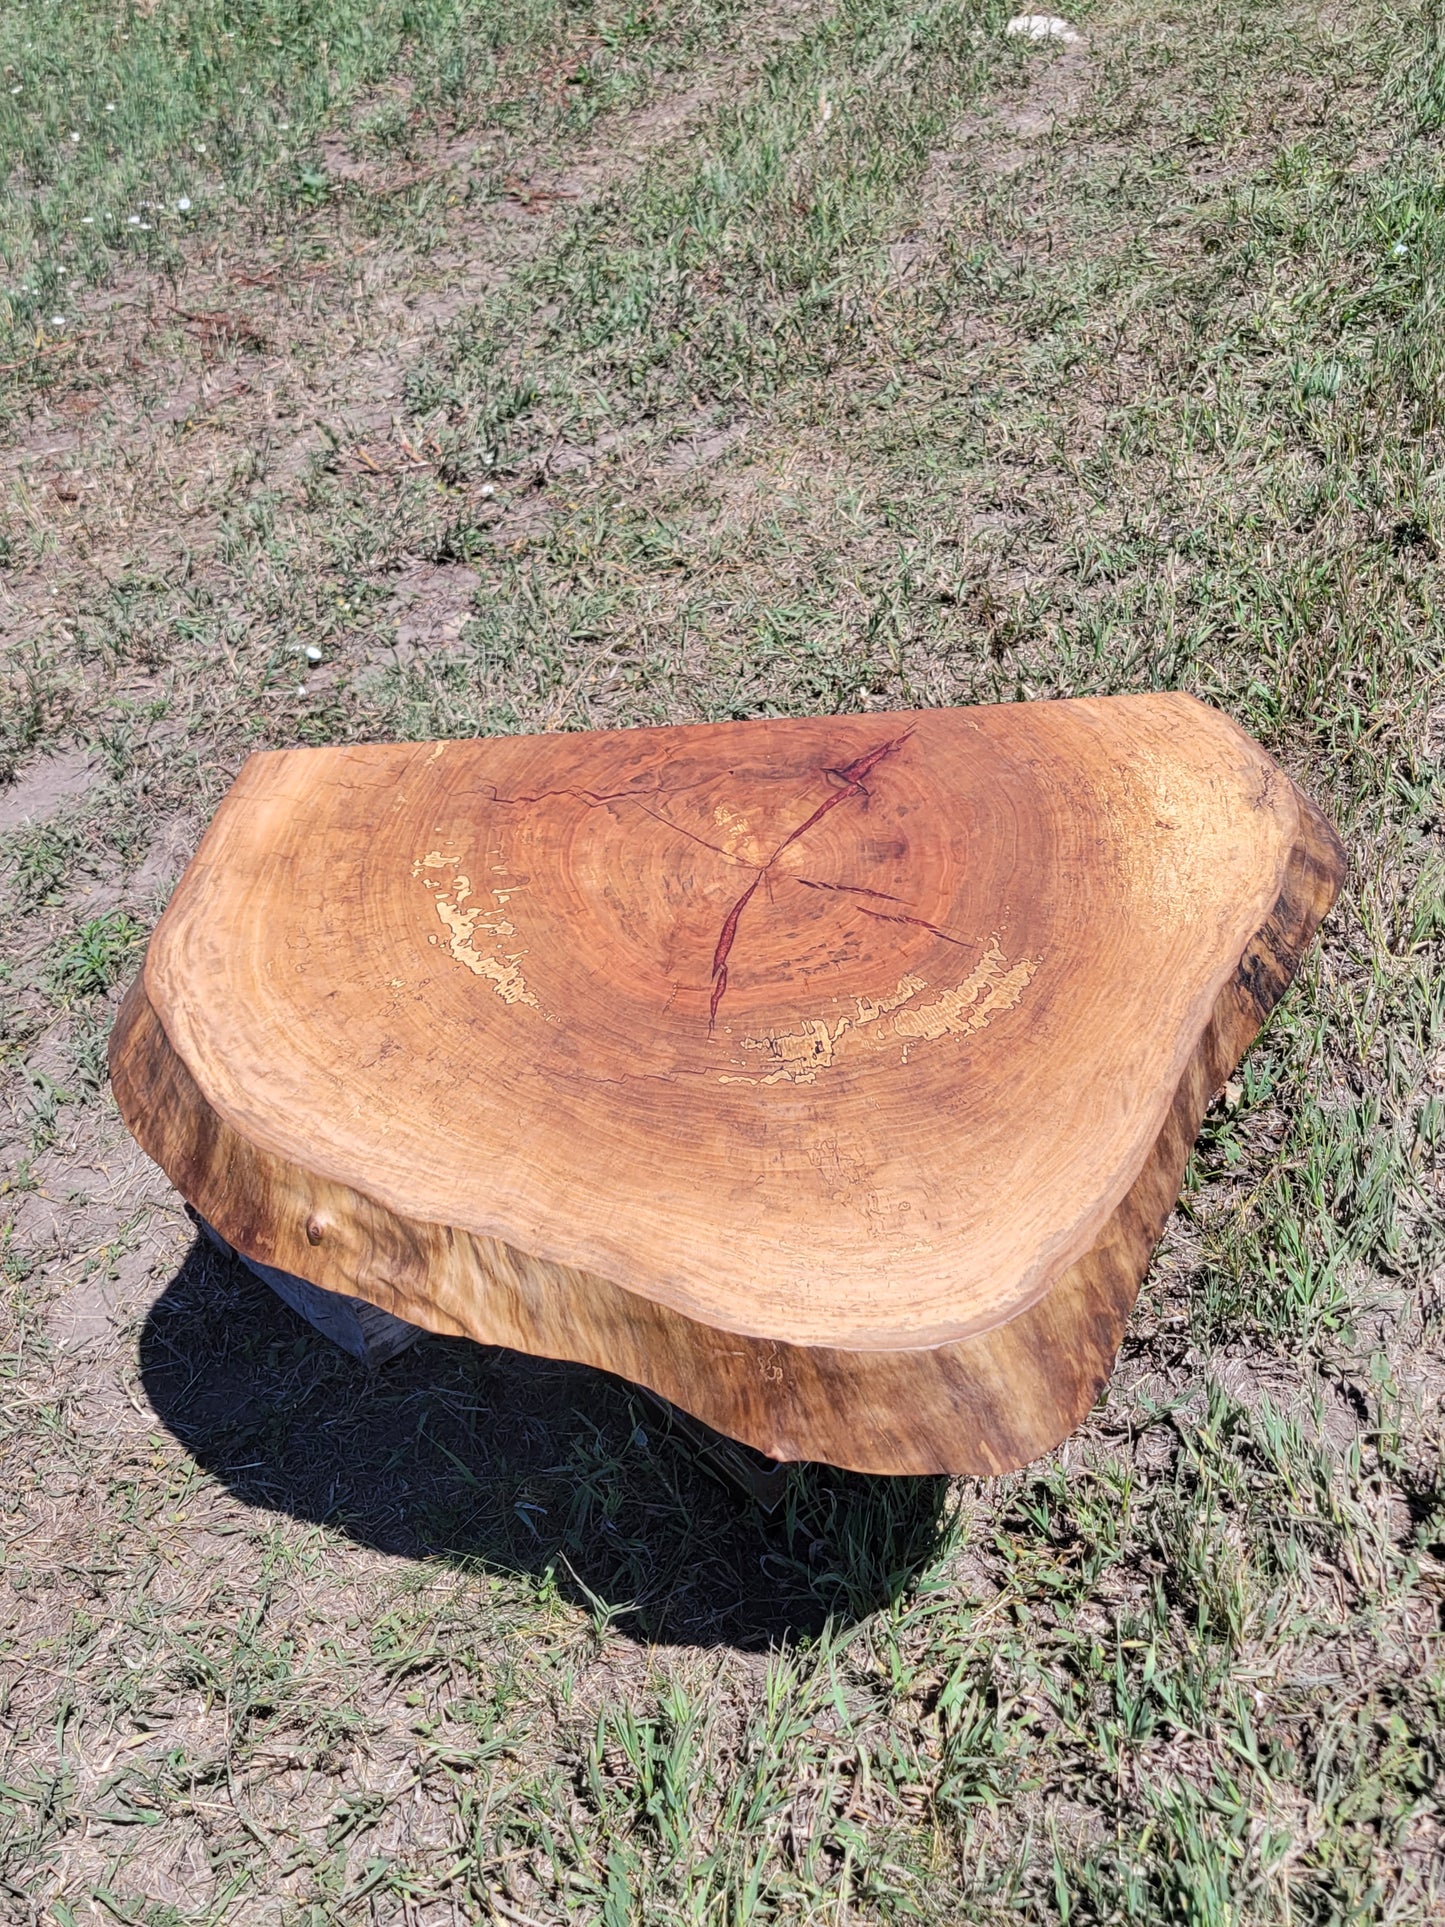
847,1032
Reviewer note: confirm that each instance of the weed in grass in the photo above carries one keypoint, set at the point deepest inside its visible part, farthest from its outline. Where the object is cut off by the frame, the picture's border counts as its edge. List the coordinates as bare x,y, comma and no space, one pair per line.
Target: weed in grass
101,949
40,860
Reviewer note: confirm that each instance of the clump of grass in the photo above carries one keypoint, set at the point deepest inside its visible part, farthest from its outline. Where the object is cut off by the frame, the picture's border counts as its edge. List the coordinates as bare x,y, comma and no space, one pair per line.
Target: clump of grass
39,860
94,958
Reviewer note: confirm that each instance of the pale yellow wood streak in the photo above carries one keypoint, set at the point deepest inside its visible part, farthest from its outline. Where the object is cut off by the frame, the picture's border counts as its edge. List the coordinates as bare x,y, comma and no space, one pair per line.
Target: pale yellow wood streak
798,1056
479,934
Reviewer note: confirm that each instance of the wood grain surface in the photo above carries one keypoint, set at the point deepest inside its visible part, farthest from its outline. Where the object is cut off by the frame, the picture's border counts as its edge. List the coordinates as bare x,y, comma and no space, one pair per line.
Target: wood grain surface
833,1078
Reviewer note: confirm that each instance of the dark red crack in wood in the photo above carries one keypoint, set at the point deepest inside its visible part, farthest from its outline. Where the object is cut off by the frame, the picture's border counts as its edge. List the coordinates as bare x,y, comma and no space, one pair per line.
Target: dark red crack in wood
850,889
852,779
919,923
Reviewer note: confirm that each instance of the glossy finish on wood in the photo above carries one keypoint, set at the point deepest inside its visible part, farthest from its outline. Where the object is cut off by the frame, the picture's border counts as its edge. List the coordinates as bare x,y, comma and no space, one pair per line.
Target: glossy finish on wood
833,1078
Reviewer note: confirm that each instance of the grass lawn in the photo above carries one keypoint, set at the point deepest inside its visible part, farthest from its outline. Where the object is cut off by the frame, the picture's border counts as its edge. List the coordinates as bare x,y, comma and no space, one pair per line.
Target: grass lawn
436,367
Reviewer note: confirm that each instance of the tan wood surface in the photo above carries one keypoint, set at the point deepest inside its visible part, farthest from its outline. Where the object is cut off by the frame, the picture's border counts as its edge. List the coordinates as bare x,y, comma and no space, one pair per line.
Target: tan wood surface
833,1078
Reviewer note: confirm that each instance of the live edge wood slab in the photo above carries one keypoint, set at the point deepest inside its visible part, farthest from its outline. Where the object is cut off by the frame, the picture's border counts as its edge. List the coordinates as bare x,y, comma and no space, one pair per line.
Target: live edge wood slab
832,1078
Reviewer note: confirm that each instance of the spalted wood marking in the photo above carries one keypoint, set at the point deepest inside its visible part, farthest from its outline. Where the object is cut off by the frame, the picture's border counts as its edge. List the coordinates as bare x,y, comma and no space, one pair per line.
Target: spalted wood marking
833,1078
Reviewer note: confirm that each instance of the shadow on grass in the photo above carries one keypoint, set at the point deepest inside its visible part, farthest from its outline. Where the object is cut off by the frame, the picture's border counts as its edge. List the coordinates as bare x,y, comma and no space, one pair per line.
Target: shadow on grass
479,1456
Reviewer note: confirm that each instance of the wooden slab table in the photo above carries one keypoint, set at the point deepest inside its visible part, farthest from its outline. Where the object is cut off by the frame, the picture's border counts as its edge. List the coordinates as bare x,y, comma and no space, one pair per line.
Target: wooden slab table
832,1078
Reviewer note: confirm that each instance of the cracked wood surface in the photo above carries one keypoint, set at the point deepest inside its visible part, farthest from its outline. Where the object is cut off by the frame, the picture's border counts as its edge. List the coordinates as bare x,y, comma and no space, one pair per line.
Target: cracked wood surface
833,1078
